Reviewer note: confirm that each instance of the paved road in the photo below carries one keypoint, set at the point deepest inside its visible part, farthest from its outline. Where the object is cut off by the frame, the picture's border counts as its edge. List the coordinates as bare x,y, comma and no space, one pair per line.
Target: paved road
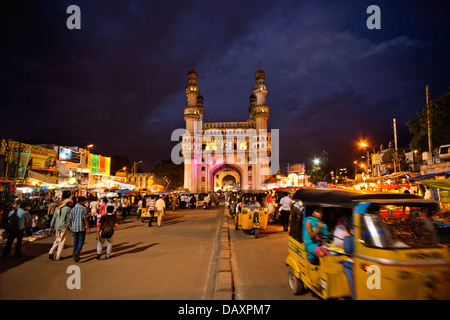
170,262
259,268
180,260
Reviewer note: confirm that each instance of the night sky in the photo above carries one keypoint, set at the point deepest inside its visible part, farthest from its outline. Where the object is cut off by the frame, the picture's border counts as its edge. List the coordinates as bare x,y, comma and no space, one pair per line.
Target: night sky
119,82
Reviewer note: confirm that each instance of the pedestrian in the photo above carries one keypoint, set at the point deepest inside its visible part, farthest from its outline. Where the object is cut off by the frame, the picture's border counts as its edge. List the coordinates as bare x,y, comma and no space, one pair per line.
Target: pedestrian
428,194
183,201
93,212
102,209
105,231
51,208
111,203
207,201
16,230
151,209
79,226
285,211
60,224
160,207
174,202
140,206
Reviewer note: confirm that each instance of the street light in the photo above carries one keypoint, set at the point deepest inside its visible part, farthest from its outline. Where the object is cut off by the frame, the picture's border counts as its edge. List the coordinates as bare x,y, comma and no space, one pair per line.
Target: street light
316,161
364,145
134,166
124,169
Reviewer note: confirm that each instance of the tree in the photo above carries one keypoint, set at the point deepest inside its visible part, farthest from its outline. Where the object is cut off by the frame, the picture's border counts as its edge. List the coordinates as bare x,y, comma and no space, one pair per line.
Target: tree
322,173
440,130
170,173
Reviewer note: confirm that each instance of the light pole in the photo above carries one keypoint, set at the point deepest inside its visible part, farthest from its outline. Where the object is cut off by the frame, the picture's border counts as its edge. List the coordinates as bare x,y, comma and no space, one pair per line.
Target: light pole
364,145
124,169
134,167
134,172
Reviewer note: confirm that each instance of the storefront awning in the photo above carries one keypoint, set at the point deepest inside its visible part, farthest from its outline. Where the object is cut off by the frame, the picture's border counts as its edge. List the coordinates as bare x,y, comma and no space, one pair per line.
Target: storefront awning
440,184
427,176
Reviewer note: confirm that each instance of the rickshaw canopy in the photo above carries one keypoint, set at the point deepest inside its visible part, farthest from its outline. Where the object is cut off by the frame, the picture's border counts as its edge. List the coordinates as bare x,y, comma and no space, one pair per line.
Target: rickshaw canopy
348,198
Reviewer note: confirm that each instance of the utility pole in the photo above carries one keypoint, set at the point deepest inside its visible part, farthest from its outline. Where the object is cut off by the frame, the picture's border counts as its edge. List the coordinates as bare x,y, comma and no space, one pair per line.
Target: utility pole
430,145
396,150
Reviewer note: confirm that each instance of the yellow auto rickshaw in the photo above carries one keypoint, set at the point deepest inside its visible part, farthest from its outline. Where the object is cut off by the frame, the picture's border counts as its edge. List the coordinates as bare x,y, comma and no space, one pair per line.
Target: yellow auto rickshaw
390,249
251,217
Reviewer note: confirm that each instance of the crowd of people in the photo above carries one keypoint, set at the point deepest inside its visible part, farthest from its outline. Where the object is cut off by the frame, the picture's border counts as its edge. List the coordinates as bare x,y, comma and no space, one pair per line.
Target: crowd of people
78,214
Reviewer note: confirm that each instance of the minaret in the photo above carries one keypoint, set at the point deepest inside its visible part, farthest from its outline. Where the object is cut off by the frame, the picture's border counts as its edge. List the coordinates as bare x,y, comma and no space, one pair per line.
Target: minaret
194,110
193,115
260,111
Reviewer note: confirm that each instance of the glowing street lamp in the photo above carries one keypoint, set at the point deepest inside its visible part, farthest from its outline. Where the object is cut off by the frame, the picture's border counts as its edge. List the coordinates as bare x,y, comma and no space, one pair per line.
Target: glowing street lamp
123,169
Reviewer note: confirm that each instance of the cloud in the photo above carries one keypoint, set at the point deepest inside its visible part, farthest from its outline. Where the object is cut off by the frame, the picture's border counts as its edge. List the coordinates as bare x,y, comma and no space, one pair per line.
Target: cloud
119,82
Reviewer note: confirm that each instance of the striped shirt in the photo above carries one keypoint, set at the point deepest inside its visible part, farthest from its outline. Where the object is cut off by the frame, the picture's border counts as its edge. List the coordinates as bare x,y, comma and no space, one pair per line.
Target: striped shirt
151,204
77,216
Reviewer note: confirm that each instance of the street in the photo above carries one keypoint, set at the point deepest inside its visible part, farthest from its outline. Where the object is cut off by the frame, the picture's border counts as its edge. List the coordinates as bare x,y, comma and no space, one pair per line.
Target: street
176,261
259,268
170,262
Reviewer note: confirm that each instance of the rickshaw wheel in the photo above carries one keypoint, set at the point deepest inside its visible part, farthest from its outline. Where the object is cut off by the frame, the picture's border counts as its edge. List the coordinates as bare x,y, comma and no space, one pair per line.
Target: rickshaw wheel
295,285
256,230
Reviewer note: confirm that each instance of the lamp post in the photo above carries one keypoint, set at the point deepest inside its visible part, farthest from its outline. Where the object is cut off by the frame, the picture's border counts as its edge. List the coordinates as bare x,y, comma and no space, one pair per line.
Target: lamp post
134,172
364,145
134,166
124,169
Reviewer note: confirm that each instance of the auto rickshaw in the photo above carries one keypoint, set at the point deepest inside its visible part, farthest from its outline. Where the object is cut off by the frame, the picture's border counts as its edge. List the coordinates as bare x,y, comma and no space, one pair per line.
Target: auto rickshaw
251,216
392,251
200,198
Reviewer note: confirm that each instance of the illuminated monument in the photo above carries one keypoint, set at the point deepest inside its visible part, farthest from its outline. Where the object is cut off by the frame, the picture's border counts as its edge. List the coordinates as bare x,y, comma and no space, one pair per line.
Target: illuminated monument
215,152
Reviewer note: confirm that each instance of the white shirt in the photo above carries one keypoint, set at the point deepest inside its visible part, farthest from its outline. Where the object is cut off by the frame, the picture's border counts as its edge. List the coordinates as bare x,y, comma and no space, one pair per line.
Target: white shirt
93,206
285,203
160,204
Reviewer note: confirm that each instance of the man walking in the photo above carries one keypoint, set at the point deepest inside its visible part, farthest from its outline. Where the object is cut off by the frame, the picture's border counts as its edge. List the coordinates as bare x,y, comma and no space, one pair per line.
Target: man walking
160,206
80,223
285,211
60,223
16,231
151,209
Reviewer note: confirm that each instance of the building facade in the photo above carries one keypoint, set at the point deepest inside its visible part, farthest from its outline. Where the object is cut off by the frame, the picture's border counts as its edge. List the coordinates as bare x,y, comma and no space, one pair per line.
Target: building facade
214,151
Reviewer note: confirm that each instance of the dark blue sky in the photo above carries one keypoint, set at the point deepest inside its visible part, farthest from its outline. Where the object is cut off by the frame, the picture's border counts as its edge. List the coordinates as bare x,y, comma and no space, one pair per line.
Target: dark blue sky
119,81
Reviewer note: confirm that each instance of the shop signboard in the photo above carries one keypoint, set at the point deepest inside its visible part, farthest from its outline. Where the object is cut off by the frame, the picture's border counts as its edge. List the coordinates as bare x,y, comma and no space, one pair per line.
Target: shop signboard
69,155
99,164
22,164
437,168
298,168
41,158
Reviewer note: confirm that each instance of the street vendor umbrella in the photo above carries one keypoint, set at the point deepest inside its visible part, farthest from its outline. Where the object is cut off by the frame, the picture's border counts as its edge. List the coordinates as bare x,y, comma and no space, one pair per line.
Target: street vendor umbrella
440,184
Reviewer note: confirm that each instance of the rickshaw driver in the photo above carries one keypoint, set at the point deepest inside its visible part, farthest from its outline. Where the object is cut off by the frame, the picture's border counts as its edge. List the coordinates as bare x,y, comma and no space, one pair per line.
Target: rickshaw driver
313,233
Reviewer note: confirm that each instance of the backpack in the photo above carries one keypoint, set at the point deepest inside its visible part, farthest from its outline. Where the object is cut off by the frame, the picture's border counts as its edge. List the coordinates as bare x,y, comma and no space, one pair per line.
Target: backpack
107,232
13,222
